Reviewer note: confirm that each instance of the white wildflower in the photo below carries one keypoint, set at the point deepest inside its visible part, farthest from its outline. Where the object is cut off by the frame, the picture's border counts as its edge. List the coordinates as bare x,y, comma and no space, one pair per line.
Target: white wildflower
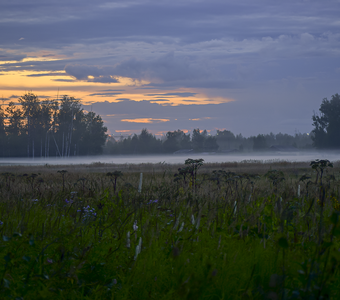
135,227
138,248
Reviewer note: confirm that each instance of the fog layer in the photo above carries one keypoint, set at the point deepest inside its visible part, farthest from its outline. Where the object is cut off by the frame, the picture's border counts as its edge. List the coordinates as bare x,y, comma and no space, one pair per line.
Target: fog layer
175,159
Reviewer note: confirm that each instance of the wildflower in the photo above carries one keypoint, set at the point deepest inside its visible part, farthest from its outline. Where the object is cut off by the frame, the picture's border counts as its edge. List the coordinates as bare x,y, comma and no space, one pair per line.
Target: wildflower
1,223
50,261
152,201
35,200
320,203
336,204
135,227
89,213
138,248
192,220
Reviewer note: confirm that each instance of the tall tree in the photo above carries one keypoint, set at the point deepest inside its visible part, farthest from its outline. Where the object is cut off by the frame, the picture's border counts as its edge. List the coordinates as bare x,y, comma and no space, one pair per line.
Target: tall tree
48,113
15,131
148,143
198,139
70,114
3,139
31,109
93,134
176,140
225,139
260,143
210,143
326,132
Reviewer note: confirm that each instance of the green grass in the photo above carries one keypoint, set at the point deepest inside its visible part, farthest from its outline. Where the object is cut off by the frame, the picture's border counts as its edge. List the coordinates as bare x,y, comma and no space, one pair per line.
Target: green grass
221,235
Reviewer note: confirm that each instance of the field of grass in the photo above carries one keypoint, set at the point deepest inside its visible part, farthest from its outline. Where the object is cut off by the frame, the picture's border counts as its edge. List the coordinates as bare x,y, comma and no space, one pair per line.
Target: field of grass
244,230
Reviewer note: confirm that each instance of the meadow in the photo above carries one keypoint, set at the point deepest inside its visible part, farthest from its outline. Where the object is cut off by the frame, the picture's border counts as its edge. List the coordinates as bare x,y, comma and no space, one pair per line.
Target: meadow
242,230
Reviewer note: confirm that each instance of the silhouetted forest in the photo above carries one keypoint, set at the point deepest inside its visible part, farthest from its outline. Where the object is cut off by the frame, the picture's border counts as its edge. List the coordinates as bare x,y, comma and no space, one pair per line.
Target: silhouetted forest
61,128
201,141
35,128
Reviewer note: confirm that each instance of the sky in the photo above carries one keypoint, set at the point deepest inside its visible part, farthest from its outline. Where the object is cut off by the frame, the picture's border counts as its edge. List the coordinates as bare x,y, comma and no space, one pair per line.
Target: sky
246,66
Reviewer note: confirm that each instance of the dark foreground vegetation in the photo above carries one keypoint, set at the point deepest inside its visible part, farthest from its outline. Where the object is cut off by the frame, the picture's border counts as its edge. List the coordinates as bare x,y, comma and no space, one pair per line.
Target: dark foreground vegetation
222,231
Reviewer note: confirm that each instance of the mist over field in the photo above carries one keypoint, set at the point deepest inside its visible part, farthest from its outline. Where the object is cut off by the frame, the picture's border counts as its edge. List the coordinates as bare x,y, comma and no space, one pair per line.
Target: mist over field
264,157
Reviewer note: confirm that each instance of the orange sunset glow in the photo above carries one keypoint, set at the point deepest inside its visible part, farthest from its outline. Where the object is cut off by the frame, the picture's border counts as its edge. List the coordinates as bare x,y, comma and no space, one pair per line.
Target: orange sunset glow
51,84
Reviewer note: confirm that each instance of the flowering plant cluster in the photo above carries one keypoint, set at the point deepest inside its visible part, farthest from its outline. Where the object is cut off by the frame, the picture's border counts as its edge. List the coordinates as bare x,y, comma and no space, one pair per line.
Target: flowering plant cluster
89,213
152,201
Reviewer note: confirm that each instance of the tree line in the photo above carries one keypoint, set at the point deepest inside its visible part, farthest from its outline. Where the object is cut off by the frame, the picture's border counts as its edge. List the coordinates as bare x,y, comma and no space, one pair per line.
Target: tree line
61,128
35,128
325,135
202,141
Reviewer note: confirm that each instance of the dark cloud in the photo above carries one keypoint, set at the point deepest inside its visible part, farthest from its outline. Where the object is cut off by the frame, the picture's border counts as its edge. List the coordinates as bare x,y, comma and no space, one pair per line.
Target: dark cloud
103,79
186,21
9,56
110,90
166,68
9,98
174,94
82,72
159,100
64,80
45,74
43,96
108,94
45,66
